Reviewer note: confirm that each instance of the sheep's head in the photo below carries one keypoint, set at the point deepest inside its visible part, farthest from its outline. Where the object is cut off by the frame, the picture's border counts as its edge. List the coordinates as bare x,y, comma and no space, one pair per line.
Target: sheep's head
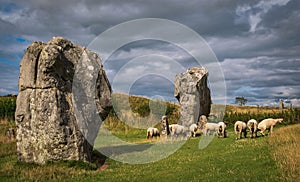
280,120
202,121
220,128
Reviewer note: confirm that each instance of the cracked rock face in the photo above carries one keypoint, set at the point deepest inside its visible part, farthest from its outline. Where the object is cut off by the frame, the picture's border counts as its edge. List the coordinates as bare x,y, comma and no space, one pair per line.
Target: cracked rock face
193,94
55,118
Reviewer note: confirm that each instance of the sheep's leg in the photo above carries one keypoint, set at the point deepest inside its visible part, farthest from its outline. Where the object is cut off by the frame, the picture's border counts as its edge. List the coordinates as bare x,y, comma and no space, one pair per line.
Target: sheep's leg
245,133
238,135
271,130
204,132
262,132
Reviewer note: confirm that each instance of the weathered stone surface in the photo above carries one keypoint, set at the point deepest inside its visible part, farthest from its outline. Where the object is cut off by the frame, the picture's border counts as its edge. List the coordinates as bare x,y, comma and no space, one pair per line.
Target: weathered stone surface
193,94
55,118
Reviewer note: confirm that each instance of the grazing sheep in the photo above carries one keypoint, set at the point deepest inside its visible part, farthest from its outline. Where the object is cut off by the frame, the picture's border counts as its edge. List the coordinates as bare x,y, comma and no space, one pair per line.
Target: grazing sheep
202,122
252,125
222,129
211,127
152,132
193,129
177,130
199,126
240,127
268,124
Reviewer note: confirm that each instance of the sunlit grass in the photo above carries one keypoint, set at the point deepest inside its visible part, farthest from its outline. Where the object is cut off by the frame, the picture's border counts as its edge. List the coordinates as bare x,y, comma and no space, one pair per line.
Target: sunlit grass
285,143
225,159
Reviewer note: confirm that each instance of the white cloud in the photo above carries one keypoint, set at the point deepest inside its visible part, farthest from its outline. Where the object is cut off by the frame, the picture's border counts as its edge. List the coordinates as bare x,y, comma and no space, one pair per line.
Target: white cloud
254,20
262,79
255,13
295,102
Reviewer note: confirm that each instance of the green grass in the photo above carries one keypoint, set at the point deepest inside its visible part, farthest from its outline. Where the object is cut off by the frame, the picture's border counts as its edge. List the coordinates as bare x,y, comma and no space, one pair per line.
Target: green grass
223,160
285,143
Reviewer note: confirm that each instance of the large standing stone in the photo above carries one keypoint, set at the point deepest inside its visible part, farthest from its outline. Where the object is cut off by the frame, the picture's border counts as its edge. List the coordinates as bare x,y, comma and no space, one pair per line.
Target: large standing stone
54,115
193,94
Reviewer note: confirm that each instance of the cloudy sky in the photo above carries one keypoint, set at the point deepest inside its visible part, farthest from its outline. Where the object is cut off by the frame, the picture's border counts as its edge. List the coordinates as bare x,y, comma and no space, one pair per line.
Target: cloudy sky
257,42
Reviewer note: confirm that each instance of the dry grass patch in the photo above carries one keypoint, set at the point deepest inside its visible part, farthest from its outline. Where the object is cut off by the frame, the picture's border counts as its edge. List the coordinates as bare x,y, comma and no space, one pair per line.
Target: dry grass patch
285,143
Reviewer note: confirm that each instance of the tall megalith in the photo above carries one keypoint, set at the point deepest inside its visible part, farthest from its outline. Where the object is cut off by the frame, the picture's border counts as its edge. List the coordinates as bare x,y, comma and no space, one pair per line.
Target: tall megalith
193,95
64,95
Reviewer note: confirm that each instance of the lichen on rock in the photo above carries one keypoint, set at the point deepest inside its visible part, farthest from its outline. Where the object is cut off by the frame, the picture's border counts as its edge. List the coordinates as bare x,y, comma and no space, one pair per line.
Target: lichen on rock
193,95
48,115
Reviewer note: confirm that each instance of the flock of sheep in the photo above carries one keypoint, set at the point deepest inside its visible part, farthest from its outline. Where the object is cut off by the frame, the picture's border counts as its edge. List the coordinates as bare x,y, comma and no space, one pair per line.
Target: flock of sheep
206,128
253,126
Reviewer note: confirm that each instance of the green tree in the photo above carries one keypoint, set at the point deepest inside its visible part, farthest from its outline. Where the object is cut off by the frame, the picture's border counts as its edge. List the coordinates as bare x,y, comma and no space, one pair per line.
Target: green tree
241,101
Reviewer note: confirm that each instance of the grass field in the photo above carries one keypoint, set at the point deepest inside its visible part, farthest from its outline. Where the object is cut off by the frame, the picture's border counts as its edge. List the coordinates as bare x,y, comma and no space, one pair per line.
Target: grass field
272,158
286,144
225,159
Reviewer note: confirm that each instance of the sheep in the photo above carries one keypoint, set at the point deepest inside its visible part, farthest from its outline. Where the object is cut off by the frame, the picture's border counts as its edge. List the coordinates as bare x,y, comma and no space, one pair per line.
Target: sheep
222,129
152,132
176,130
240,127
252,126
268,124
193,129
199,126
202,122
210,127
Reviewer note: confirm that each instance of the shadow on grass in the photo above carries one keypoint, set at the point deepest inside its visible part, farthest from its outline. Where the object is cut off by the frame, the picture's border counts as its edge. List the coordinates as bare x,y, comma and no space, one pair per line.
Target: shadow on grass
123,149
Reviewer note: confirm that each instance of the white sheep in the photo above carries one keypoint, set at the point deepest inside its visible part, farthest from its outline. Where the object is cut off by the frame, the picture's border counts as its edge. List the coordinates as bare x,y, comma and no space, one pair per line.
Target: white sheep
222,129
193,129
252,126
177,130
268,124
211,127
240,127
202,122
199,126
152,132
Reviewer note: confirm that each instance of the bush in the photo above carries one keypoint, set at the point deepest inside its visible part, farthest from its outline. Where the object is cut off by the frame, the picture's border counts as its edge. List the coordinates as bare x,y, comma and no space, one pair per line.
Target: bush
7,107
289,116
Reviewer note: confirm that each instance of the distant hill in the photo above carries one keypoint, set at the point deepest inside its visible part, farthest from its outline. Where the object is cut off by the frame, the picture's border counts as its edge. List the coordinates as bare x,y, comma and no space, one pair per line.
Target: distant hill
141,106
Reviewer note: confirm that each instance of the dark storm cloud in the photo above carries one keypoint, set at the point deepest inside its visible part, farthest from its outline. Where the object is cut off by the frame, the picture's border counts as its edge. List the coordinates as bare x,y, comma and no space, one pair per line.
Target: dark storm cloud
259,36
262,78
8,79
